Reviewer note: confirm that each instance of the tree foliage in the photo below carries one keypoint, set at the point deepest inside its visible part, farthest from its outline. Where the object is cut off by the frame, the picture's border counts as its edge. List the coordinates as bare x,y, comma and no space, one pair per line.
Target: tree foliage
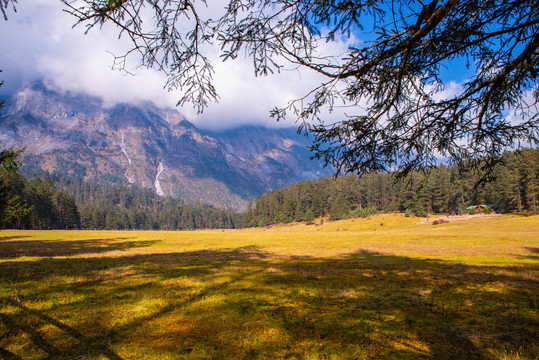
11,206
2,102
10,203
6,4
30,204
448,190
390,79
52,201
125,206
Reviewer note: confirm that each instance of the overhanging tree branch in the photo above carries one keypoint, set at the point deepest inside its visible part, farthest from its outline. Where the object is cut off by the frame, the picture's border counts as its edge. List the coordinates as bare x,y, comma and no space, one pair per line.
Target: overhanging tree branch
393,68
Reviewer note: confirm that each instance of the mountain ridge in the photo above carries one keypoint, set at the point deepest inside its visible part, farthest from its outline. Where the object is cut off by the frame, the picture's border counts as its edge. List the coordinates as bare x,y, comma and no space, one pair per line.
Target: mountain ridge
152,147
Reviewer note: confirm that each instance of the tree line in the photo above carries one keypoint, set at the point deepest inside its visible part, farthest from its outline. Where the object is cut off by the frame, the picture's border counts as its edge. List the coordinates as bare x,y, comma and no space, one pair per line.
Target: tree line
125,206
33,204
447,190
68,202
61,201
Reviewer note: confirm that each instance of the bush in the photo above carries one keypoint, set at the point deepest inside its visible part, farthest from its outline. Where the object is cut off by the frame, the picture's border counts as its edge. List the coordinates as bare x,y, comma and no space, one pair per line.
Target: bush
420,211
364,212
309,218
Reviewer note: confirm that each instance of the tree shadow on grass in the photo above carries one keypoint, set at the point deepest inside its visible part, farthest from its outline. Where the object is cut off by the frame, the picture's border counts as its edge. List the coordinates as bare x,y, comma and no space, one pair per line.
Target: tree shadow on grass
92,336
534,252
423,308
81,345
244,303
12,237
45,248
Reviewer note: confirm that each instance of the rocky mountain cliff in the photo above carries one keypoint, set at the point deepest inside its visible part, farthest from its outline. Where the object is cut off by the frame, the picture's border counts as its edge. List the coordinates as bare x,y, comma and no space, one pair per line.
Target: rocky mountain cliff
152,148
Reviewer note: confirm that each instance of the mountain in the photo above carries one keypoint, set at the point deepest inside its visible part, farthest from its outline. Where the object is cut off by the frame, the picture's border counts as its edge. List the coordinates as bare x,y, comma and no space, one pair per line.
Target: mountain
151,147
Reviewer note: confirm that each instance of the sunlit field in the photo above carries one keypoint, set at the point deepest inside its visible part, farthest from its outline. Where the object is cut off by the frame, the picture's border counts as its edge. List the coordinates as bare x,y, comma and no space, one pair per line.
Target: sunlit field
379,288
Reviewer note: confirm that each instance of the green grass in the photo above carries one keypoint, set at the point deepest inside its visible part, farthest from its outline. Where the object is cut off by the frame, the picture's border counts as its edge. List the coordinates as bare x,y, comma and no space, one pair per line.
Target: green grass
378,288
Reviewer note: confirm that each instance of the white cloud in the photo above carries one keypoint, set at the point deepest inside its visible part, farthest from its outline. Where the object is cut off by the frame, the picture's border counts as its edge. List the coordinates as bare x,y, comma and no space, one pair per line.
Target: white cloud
451,90
529,109
39,41
245,99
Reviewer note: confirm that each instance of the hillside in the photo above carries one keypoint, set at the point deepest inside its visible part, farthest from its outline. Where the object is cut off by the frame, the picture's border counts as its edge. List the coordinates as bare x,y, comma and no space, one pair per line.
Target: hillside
151,147
446,190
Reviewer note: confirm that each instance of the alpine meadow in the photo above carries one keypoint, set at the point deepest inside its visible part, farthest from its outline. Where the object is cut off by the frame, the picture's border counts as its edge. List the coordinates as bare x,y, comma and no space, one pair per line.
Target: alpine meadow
383,287
269,179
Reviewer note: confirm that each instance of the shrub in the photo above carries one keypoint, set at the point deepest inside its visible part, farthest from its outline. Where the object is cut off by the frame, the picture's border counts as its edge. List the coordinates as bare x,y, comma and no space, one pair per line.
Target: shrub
420,211
364,212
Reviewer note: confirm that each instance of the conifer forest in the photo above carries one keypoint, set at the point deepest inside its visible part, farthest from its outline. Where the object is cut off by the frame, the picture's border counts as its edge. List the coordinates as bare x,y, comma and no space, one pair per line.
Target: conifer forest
53,201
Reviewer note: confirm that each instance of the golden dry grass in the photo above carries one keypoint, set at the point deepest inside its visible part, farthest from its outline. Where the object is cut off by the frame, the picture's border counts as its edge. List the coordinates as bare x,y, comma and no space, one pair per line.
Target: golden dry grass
384,287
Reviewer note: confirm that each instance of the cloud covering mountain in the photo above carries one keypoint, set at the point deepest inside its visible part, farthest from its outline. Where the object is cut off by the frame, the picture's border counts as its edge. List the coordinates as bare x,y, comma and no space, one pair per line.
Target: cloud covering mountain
39,42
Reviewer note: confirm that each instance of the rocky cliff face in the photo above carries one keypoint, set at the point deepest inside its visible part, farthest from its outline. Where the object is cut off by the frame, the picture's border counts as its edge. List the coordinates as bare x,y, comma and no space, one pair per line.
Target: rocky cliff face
152,148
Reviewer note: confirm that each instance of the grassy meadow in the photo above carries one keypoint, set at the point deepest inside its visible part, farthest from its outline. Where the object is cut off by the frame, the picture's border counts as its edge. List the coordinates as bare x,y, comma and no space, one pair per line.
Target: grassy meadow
379,288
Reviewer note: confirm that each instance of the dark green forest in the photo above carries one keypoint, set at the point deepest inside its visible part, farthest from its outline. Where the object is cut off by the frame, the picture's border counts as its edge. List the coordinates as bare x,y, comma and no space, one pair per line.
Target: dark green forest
61,202
32,204
444,190
54,201
125,206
